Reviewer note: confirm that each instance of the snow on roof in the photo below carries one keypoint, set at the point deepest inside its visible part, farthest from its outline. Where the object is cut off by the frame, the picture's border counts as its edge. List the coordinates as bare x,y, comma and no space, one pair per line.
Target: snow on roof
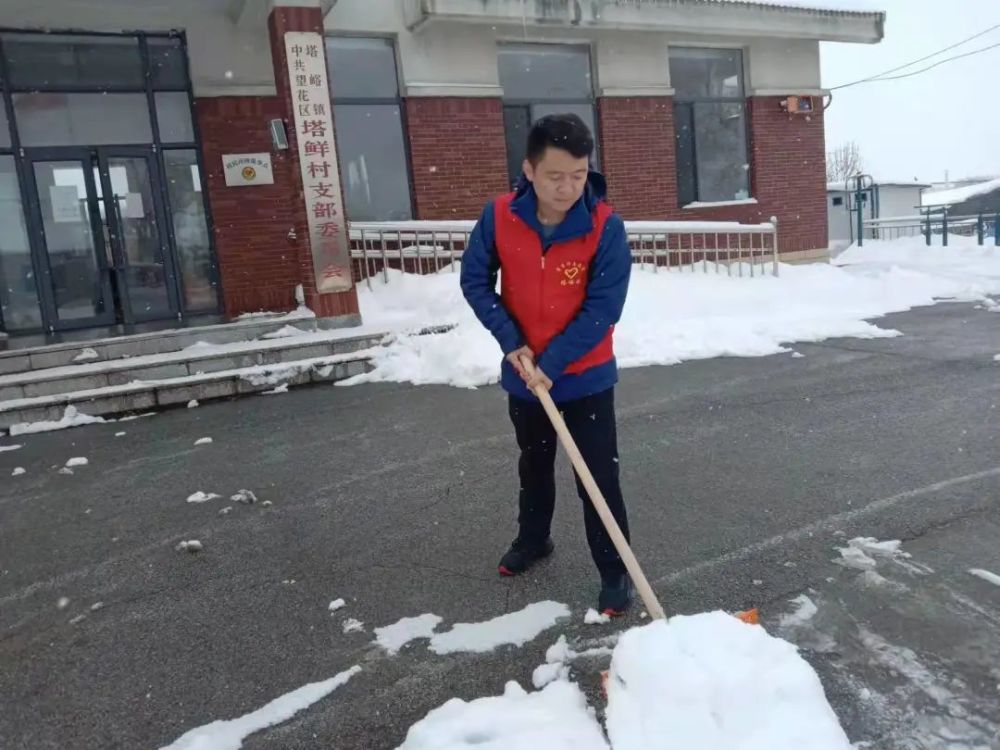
959,195
866,7
838,187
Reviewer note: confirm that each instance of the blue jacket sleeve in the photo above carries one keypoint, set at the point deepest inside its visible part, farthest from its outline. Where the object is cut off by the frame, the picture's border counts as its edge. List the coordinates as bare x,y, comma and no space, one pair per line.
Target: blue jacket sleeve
480,264
602,308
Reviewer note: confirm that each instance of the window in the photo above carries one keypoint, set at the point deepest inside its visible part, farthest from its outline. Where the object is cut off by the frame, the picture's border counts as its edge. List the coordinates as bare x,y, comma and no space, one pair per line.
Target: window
191,237
710,125
64,61
838,201
539,80
4,126
369,128
166,63
18,296
51,119
173,116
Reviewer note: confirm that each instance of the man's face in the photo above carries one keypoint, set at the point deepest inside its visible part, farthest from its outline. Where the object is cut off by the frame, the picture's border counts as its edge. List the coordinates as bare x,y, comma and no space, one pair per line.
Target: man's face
559,178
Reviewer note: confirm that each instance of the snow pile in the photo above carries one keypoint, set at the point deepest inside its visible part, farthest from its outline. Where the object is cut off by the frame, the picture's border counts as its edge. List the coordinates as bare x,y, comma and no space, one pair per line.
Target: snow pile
192,545
950,196
229,735
556,718
712,681
71,418
861,552
86,354
6,448
985,575
699,315
245,497
352,625
75,462
805,610
593,617
393,637
337,604
18,471
203,441
201,497
515,628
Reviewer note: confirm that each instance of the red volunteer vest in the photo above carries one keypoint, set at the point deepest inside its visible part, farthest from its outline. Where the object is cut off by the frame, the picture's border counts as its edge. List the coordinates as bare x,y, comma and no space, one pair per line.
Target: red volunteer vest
544,292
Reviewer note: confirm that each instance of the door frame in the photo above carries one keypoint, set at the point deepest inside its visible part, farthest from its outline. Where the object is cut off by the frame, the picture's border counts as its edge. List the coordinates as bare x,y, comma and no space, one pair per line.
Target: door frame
36,230
103,154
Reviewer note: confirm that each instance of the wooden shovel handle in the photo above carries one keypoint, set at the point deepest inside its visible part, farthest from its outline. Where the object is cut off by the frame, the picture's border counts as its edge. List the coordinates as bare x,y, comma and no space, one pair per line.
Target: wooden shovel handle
600,504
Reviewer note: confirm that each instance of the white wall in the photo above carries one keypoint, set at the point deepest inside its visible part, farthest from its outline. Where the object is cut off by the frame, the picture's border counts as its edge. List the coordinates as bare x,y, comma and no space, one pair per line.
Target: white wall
450,58
215,44
898,200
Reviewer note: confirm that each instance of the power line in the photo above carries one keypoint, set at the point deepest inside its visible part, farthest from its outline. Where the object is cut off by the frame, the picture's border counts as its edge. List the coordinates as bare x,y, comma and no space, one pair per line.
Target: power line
923,70
941,62
919,60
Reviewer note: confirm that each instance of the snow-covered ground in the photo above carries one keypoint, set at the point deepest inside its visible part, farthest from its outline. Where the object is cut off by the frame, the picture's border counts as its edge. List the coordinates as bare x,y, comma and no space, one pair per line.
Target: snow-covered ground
689,314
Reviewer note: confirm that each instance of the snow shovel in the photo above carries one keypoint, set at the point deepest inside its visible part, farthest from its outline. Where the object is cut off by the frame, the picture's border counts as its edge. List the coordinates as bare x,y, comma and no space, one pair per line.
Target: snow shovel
600,504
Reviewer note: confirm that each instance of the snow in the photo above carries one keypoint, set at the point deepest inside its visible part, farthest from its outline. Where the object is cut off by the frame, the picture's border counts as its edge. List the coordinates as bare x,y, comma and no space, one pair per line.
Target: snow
191,545
226,511
514,628
202,497
337,604
283,332
229,734
86,354
203,441
18,471
712,681
959,195
193,404
393,637
7,448
860,552
300,313
65,470
120,434
546,673
63,602
283,388
247,497
836,6
71,418
593,617
74,462
706,314
350,625
805,610
719,204
556,718
986,576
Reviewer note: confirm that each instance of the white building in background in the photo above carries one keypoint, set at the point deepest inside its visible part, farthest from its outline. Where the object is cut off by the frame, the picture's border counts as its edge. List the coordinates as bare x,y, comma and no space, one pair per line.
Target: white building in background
883,200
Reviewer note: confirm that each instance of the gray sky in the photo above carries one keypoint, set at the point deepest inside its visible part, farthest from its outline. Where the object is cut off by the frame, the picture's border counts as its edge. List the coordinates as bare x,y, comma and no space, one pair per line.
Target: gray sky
946,118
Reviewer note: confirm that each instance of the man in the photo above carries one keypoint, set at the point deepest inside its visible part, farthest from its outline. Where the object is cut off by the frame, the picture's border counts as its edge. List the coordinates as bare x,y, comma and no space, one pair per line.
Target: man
565,265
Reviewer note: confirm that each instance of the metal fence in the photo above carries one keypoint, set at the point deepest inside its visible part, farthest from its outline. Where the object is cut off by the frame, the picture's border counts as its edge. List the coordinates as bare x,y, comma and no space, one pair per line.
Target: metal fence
678,246
935,226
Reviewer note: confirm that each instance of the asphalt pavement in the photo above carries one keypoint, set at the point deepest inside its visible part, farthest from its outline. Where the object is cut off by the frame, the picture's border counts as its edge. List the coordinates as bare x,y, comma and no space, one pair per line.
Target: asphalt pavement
742,477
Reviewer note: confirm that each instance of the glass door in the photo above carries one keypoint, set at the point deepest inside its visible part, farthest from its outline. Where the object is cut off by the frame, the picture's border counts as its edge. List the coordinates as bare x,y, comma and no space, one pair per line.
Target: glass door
128,186
76,290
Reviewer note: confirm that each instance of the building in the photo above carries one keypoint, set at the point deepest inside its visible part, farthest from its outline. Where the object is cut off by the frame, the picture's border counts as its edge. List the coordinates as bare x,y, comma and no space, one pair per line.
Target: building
969,200
885,199
165,162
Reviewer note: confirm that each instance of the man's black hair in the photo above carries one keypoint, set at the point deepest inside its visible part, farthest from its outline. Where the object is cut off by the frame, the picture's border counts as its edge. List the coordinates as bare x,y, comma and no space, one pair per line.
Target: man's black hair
567,132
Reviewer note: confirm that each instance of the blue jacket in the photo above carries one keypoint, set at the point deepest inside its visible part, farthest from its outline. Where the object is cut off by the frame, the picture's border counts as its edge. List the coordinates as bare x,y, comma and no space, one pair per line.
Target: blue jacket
602,308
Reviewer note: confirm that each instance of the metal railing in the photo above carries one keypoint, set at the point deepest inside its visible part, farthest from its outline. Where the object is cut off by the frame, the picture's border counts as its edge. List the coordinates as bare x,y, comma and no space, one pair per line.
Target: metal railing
432,246
935,225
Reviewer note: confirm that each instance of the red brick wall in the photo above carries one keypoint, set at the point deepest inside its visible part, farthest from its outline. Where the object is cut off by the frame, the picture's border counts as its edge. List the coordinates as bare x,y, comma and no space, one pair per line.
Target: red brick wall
637,155
787,157
458,155
256,258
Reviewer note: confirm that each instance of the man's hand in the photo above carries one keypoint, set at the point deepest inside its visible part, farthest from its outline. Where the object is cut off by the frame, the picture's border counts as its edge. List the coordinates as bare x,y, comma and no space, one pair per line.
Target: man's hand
539,379
515,359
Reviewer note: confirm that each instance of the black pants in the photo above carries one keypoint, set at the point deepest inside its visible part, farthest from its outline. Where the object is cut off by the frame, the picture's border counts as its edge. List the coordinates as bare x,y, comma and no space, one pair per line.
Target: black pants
591,421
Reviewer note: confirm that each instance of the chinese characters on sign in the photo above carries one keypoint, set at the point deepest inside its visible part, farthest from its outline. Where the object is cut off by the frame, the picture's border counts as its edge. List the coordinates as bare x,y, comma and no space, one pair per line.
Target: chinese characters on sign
247,169
318,161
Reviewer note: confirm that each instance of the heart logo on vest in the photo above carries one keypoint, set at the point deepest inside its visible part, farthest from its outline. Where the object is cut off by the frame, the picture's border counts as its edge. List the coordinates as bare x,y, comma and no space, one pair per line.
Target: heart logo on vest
571,272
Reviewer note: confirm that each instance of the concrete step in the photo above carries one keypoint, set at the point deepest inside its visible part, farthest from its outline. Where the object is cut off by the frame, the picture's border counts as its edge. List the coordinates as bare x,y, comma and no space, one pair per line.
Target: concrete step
194,360
145,344
29,414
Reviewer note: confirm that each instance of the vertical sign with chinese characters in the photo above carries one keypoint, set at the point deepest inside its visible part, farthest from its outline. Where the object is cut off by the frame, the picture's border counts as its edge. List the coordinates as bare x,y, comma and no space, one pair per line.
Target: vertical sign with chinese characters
318,160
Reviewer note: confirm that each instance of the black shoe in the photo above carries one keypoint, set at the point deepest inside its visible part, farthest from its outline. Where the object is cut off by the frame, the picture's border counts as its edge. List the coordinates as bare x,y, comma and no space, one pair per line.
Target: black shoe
522,555
616,595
